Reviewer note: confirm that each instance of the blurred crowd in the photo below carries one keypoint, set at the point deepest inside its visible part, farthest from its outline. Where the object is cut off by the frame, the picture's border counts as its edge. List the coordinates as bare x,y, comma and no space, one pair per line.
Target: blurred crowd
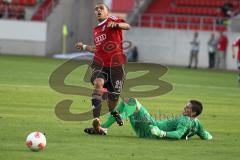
217,51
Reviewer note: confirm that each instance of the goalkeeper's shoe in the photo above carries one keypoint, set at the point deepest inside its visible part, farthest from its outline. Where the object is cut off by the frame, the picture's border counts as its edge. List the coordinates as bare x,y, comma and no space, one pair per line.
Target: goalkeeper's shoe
117,116
96,129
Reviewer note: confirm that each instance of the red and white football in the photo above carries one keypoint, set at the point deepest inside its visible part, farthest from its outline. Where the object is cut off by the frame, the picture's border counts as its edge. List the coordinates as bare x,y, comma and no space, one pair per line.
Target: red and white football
36,141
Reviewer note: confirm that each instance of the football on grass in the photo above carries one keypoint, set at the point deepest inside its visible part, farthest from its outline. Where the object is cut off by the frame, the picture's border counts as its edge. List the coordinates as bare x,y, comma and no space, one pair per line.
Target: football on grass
36,141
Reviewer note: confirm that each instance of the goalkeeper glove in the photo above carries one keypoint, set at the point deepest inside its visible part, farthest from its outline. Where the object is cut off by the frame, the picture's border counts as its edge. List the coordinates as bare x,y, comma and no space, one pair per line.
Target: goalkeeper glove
157,132
209,136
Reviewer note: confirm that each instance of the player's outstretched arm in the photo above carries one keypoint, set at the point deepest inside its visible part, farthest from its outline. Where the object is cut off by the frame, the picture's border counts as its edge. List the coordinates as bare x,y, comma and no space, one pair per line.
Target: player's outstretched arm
121,25
181,129
84,47
203,134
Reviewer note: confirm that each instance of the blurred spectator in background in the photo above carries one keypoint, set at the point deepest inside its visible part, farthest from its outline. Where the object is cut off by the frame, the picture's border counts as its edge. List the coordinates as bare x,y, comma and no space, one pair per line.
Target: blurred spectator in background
7,1
194,50
227,9
221,51
138,3
132,54
212,46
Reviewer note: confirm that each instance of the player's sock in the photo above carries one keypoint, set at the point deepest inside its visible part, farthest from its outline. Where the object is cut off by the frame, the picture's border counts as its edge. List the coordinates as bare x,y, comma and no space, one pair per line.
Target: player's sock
125,110
96,103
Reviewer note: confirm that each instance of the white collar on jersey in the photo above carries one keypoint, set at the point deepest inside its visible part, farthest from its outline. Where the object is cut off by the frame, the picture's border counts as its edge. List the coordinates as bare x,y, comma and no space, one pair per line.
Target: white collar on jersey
102,22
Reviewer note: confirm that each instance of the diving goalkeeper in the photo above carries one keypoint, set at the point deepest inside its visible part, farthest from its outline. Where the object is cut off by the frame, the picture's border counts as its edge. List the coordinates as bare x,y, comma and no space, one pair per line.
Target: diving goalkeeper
145,126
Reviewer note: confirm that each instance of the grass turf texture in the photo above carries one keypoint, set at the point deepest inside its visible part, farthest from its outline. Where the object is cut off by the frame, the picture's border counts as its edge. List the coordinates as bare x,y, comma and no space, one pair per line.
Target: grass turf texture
27,104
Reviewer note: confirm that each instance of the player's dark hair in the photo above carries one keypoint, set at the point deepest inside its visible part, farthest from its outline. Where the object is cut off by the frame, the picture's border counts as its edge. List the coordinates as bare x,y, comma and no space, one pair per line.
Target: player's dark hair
196,107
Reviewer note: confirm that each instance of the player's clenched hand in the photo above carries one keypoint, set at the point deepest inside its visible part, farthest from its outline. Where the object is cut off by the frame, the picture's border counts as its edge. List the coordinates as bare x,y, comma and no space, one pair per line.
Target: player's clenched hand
79,45
113,25
209,136
157,132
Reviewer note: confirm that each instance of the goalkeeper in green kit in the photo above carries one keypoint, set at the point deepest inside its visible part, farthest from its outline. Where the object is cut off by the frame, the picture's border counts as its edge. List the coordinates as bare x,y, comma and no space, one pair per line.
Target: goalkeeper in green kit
145,126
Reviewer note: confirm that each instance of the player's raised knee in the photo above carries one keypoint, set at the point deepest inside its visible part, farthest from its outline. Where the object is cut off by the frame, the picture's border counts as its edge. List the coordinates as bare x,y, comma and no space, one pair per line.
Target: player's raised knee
98,83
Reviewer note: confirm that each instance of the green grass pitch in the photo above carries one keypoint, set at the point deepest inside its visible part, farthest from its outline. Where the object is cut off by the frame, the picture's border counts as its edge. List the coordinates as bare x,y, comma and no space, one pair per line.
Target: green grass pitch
27,104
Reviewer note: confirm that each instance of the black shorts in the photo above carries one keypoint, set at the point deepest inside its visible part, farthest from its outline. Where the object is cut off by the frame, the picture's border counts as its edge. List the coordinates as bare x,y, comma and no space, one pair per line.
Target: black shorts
113,79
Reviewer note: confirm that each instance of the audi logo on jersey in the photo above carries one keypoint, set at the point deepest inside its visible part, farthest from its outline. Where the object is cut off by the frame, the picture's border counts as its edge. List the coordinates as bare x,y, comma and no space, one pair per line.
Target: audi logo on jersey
100,38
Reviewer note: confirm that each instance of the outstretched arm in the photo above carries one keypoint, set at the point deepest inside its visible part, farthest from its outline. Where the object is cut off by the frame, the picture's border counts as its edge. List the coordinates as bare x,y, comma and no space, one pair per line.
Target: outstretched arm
84,47
203,134
121,25
181,129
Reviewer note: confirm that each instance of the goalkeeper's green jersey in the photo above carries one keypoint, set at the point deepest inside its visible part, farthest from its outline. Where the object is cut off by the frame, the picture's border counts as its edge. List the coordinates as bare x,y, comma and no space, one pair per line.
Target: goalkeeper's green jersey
181,127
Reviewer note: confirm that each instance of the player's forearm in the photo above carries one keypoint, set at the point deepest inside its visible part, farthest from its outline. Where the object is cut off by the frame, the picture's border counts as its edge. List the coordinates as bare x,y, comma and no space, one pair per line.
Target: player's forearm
174,135
84,47
124,26
164,134
90,48
205,135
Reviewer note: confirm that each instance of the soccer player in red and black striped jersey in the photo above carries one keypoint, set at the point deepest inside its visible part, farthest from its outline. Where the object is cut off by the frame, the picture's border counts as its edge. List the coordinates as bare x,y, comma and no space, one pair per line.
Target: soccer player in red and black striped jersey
237,44
108,61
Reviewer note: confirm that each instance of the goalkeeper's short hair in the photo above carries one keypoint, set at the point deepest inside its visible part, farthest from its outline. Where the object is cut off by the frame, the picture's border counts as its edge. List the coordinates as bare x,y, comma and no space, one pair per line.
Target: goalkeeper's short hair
196,107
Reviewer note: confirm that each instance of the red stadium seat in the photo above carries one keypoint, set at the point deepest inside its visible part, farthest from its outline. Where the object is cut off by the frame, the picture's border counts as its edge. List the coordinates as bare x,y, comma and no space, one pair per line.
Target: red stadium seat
182,26
195,20
221,28
2,10
182,19
24,2
170,25
157,24
145,17
186,14
207,27
170,19
194,27
144,24
208,20
157,21
158,18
